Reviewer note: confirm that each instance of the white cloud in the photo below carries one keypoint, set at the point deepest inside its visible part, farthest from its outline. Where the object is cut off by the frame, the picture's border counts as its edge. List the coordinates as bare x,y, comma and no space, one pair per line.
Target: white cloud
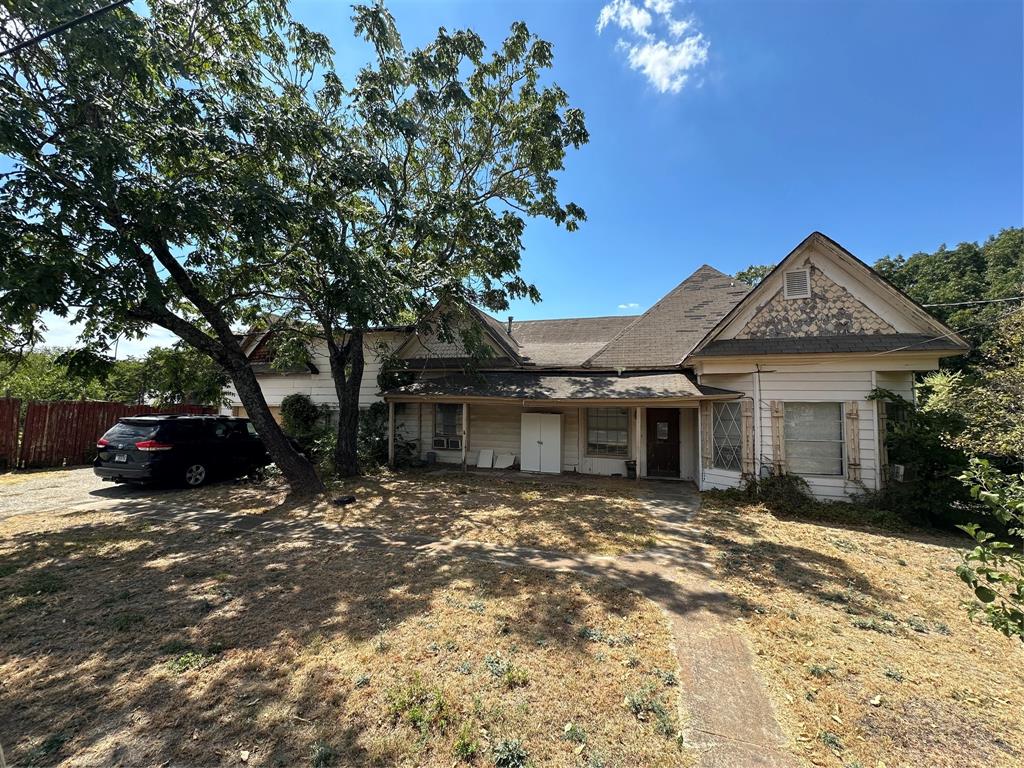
664,48
625,15
629,305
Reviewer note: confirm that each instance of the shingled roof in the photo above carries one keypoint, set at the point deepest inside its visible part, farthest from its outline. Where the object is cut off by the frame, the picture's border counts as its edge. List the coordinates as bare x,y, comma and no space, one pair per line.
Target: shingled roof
522,385
666,332
565,343
887,342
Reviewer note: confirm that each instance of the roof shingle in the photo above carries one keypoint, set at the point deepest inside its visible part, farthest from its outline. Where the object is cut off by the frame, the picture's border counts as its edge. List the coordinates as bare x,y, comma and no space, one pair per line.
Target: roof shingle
665,333
537,386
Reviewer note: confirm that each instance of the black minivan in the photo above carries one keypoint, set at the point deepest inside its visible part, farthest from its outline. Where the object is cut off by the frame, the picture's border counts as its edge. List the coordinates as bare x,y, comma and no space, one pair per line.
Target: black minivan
179,449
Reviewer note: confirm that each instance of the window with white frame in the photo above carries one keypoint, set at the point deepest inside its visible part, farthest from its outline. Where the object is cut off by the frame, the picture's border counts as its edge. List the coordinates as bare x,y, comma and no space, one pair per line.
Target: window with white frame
608,432
448,426
726,436
814,438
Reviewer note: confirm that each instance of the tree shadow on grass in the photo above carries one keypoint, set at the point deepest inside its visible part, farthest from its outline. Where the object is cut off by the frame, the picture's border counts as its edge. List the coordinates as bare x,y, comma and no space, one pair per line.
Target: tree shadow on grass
143,639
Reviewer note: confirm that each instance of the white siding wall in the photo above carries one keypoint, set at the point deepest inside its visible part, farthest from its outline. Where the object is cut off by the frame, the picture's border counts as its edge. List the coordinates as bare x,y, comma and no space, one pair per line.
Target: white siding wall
497,427
900,382
319,386
794,384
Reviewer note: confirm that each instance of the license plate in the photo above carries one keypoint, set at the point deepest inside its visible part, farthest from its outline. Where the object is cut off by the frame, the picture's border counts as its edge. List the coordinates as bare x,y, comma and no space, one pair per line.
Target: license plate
121,457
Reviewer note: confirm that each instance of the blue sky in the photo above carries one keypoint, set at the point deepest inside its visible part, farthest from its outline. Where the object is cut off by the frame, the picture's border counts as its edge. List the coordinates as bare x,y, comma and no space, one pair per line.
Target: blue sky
725,132
893,127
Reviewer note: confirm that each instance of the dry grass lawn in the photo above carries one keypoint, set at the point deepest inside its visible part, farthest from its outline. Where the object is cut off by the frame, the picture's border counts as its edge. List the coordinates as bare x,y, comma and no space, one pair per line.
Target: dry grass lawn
869,655
150,643
601,517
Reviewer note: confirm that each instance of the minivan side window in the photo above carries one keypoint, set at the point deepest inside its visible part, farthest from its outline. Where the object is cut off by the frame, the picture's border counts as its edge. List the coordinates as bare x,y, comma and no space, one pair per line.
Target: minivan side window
251,429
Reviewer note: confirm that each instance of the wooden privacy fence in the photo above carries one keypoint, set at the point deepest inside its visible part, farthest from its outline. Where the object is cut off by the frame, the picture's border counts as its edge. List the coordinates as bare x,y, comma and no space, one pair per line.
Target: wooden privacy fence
64,433
10,417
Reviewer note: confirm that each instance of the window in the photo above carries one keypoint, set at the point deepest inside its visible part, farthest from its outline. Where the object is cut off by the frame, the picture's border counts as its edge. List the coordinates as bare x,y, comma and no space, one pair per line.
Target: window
448,426
726,436
607,432
814,438
797,284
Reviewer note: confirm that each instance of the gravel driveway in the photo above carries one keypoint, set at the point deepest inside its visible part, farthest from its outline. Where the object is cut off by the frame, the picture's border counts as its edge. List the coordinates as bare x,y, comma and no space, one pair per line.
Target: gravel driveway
66,489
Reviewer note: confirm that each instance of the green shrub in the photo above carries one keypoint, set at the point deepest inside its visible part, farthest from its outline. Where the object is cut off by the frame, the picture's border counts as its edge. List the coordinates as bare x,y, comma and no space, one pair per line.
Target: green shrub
372,441
510,753
921,442
304,420
785,494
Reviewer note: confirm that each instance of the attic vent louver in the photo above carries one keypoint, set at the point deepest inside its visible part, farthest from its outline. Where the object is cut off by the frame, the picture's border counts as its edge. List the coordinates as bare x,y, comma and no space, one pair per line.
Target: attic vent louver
797,284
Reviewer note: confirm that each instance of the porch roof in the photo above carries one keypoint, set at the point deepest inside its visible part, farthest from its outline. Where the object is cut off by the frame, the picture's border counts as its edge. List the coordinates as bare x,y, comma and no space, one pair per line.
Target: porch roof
558,387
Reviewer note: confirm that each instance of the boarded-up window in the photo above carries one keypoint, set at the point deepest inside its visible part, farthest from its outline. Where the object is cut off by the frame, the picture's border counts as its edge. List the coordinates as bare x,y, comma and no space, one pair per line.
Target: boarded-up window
814,438
726,436
607,432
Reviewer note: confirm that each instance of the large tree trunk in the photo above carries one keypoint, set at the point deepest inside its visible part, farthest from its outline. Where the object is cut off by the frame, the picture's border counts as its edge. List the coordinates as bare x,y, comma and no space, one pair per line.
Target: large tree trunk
296,468
347,373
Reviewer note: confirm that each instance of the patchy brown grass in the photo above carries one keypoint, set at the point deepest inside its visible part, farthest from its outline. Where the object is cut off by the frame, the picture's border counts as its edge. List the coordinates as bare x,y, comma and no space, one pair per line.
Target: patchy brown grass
603,517
141,642
868,652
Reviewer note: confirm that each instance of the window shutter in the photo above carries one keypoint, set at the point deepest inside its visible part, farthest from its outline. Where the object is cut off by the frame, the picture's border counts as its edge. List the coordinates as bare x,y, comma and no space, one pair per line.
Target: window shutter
747,444
778,443
853,441
705,434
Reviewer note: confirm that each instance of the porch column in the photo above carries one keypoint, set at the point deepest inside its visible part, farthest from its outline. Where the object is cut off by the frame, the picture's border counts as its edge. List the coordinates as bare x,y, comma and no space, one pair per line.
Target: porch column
391,434
639,420
465,433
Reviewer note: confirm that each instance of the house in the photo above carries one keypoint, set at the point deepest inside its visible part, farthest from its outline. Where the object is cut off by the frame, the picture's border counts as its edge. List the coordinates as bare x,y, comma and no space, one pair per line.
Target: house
715,383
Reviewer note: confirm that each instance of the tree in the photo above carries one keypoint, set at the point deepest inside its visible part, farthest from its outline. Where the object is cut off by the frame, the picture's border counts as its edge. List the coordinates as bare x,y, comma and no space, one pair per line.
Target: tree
967,273
43,375
754,274
145,188
417,193
994,568
987,399
167,376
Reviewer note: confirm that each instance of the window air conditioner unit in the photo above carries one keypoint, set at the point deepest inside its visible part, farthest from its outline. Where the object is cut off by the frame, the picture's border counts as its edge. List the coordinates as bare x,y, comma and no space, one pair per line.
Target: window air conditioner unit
439,442
455,443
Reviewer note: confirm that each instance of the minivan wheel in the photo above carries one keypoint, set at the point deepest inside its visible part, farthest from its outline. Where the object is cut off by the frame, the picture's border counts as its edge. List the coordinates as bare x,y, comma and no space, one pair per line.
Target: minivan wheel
195,475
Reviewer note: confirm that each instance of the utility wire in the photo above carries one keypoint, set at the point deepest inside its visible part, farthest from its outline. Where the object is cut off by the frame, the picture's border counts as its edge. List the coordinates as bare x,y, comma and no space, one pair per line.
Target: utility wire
980,301
66,25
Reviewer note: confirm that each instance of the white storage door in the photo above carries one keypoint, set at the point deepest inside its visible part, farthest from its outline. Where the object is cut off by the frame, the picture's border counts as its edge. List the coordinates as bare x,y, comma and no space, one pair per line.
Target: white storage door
550,443
529,442
540,442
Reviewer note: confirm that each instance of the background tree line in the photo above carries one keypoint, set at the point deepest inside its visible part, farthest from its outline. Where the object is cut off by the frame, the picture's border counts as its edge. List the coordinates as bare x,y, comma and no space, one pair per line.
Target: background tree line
164,376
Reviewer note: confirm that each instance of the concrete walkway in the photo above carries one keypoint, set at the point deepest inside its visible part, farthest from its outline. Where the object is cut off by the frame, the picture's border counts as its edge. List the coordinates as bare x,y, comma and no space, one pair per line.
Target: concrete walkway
723,705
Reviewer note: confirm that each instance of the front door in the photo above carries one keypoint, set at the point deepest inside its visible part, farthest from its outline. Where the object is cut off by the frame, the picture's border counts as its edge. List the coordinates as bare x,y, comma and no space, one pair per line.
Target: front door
662,442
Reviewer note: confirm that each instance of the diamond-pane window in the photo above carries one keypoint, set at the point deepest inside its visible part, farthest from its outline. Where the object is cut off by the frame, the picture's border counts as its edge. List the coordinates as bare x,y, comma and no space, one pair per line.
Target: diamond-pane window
727,436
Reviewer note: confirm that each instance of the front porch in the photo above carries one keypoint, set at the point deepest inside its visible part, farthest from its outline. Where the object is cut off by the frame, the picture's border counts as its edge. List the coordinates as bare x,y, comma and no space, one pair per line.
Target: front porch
639,425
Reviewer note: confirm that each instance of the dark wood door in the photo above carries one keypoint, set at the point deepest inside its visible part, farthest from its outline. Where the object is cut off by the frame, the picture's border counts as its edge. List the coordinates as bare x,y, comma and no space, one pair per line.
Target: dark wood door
662,442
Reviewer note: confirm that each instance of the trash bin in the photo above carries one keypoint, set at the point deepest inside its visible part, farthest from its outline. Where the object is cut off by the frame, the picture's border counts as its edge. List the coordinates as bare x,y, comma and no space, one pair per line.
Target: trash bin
631,470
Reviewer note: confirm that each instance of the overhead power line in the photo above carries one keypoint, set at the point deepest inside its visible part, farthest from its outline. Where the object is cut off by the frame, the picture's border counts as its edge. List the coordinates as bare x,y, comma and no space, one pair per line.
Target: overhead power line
979,301
66,25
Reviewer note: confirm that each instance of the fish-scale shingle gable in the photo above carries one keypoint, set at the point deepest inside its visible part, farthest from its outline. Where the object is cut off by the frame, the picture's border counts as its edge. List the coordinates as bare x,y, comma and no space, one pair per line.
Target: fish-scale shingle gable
666,332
